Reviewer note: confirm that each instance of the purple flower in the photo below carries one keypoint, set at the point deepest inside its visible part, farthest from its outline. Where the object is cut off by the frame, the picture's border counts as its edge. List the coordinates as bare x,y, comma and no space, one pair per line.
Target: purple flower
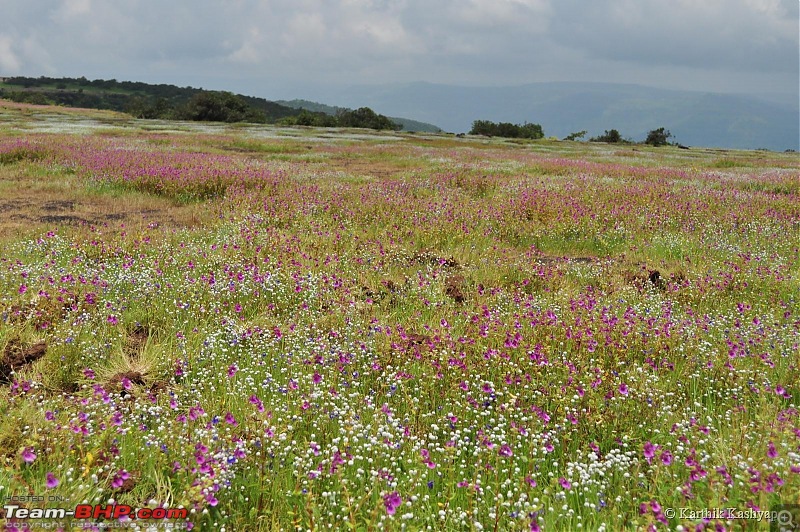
623,389
119,478
505,450
232,369
257,402
649,451
52,481
564,483
771,451
230,420
391,501
666,458
28,455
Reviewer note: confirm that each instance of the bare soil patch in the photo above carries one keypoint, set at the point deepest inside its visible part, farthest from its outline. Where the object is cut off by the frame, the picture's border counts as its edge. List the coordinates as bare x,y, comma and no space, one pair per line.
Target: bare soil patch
16,357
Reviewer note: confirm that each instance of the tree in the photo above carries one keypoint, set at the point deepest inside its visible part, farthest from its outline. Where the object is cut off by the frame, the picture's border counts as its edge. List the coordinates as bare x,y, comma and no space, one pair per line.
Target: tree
220,106
530,131
365,117
575,136
658,137
612,137
507,129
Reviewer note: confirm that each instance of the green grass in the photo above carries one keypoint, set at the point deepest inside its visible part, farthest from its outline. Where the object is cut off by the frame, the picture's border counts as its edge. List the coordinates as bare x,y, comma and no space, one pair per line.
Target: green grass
469,326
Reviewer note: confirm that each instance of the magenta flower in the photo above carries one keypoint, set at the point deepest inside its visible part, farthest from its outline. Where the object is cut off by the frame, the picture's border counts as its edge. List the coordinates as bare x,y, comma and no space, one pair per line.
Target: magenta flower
564,483
232,369
112,319
230,420
771,451
666,458
505,450
119,478
22,289
623,389
52,481
391,501
28,455
257,402
649,451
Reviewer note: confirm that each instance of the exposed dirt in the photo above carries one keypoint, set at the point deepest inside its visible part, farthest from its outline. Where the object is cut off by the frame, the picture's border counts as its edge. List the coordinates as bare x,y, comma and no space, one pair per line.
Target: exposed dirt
15,357
454,288
426,257
31,205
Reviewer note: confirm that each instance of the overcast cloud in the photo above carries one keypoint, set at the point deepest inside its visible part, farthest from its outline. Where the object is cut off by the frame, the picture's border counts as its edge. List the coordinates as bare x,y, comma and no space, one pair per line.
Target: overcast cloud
281,48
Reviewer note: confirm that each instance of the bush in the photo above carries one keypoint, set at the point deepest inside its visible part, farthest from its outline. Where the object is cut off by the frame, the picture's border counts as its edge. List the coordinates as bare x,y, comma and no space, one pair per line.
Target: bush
612,137
365,117
220,106
506,129
575,136
658,137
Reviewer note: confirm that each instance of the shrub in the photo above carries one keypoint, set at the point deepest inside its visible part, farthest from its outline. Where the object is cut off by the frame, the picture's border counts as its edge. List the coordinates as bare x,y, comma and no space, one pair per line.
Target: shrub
612,137
658,137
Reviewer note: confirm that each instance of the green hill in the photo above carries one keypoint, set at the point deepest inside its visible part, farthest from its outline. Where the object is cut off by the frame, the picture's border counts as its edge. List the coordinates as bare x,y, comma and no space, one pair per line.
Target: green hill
169,102
142,100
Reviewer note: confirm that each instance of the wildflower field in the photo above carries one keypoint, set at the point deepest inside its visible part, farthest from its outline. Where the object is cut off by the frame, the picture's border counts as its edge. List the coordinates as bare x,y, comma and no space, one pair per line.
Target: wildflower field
315,329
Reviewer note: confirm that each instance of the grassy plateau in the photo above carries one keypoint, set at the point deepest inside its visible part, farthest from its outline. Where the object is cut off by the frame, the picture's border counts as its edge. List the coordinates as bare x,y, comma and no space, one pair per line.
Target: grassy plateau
282,329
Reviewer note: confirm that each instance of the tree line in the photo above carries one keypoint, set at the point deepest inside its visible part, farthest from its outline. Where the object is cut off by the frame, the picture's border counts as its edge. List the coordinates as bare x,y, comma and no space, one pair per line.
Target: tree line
169,102
656,137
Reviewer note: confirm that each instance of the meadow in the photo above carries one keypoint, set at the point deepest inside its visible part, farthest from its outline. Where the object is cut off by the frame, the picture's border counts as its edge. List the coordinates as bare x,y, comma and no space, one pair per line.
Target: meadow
283,329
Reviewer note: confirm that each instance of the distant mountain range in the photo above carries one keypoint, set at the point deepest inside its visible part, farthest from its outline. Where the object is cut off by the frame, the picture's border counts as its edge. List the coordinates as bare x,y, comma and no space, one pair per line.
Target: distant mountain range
694,118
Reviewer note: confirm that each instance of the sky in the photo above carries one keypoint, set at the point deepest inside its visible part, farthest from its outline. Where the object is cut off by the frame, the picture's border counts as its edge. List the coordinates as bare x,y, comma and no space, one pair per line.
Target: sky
291,48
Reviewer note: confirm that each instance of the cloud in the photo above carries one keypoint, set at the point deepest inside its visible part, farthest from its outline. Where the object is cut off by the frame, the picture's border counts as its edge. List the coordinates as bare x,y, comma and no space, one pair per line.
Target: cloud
251,43
8,58
754,35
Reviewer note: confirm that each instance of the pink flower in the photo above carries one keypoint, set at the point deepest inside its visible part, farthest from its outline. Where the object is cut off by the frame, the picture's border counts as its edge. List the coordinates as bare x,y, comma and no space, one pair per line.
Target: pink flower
666,458
28,455
52,481
257,402
391,501
119,478
649,451
771,451
564,483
